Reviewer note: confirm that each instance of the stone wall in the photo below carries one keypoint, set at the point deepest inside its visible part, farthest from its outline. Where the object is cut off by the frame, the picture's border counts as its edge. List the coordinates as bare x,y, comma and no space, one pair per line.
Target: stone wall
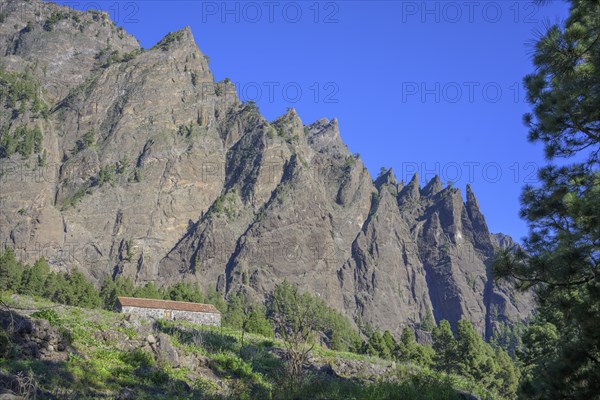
213,319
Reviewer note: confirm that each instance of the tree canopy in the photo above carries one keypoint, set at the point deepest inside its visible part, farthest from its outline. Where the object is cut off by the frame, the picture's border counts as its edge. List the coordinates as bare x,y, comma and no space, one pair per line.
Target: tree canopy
560,257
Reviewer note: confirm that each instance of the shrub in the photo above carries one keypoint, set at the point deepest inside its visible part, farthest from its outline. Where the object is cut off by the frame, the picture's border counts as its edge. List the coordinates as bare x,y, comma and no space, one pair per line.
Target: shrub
54,18
168,40
137,358
48,314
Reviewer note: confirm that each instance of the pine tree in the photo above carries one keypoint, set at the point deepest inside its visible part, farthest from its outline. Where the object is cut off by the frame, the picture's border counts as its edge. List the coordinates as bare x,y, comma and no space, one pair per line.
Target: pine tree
81,292
51,285
428,323
109,294
124,286
408,350
377,343
389,341
236,310
34,278
149,291
445,346
258,322
63,291
507,374
561,254
11,271
474,357
216,299
246,316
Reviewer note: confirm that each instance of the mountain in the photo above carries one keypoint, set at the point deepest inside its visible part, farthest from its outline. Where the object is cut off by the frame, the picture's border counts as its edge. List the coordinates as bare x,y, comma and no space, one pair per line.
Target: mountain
78,353
503,241
120,160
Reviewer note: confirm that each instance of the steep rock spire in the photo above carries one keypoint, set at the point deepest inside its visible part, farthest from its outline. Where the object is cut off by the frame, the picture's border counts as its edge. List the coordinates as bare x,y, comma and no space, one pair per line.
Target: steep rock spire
480,228
388,178
433,187
410,192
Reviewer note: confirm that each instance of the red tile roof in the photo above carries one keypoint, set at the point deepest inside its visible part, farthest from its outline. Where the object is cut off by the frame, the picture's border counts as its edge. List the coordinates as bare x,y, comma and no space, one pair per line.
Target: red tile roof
167,305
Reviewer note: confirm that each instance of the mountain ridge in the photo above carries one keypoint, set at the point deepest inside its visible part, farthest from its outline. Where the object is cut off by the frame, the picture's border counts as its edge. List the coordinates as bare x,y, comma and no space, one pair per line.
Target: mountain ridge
162,174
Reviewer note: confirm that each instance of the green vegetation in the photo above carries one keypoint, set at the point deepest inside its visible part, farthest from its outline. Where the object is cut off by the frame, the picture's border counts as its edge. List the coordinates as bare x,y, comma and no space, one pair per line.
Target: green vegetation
428,323
561,346
299,323
226,204
54,18
246,316
106,174
23,140
251,106
285,126
65,288
137,174
101,364
186,130
467,355
115,57
21,93
96,367
76,198
168,40
87,141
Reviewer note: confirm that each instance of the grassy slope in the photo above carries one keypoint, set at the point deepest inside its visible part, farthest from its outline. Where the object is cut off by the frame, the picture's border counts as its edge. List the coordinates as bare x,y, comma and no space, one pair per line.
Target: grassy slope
121,364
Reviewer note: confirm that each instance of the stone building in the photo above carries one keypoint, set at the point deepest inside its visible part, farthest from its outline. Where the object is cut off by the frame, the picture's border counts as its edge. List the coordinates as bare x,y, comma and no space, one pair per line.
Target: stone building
205,314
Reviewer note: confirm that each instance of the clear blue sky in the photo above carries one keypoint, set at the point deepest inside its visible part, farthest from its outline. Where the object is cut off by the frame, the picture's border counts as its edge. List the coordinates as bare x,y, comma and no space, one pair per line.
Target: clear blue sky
427,86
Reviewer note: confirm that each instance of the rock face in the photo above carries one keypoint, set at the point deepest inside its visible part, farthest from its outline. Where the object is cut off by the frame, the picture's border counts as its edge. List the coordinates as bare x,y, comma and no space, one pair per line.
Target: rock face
120,160
32,338
503,241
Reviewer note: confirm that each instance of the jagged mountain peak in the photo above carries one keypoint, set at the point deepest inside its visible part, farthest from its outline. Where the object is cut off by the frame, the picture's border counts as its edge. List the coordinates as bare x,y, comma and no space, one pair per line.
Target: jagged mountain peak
292,113
433,187
61,46
471,199
410,192
387,178
324,136
182,38
503,242
163,175
290,120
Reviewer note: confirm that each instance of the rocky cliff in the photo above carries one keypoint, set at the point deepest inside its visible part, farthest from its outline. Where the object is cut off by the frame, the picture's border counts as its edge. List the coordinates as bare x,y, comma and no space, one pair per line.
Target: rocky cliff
120,160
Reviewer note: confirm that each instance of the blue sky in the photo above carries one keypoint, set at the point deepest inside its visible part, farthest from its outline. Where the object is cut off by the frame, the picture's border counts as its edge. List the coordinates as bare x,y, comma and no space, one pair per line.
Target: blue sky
433,87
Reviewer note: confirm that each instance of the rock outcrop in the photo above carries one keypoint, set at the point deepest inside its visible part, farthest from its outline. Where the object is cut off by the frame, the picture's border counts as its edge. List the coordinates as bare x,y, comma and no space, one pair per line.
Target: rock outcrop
120,160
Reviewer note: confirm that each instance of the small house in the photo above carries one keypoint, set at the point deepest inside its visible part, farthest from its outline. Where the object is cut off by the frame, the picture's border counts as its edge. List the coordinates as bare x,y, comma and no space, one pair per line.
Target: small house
205,314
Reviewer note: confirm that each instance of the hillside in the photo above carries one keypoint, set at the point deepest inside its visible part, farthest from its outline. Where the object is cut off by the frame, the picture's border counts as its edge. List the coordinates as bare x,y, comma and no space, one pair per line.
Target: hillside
123,161
71,353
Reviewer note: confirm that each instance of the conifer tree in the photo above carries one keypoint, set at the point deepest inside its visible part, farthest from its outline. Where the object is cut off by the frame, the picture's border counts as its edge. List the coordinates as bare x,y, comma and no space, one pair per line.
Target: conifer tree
561,254
11,271
34,278
445,347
